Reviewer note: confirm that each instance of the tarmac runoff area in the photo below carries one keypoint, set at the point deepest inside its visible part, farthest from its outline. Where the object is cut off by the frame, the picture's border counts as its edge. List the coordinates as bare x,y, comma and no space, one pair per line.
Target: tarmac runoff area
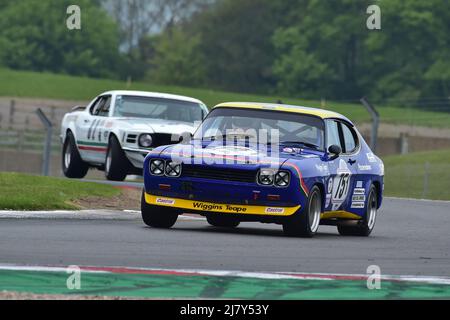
195,260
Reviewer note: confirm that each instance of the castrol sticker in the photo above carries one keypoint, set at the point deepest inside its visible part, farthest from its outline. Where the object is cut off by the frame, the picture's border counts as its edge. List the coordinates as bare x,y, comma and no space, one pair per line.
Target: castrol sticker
169,202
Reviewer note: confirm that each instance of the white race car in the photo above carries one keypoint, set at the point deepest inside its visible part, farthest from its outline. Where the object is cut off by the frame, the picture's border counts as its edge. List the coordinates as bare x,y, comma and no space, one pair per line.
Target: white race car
117,129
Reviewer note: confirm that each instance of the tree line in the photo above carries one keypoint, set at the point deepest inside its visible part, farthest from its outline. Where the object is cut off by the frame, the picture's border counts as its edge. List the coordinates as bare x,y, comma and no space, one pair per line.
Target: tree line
303,48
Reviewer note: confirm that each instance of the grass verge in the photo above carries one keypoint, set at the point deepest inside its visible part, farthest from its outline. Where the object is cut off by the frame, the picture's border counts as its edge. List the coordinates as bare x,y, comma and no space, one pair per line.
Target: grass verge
407,176
28,192
423,175
47,85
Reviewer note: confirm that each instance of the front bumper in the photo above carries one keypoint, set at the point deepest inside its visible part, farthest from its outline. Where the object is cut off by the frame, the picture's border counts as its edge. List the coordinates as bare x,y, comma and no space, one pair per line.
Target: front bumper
136,156
193,205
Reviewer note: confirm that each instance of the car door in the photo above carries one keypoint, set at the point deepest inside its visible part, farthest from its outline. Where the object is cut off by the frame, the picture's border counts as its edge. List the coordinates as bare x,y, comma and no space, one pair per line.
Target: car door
343,169
351,152
91,140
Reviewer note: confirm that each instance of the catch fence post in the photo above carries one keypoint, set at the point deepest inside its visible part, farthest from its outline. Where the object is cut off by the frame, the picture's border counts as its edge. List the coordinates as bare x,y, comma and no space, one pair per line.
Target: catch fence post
375,123
425,180
48,141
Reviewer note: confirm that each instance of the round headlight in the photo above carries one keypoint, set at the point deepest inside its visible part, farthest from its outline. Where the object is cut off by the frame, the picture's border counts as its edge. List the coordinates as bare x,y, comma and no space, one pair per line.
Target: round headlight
265,177
145,140
157,167
282,179
173,169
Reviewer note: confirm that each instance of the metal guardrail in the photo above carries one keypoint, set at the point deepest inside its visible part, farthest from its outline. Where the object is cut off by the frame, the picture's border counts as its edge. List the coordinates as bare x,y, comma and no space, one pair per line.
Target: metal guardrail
26,140
29,138
20,115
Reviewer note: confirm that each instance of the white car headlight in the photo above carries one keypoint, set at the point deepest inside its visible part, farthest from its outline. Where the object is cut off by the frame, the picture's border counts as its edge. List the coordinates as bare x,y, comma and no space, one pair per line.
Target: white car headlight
145,140
157,167
265,177
173,169
282,179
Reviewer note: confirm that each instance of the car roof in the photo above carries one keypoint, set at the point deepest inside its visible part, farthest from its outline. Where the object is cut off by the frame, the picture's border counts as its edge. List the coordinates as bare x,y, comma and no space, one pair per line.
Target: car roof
152,95
321,113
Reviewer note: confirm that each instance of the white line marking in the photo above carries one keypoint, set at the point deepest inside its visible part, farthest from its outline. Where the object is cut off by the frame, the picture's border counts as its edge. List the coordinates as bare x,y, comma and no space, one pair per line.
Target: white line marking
63,214
192,218
421,200
425,279
244,274
123,214
42,269
82,214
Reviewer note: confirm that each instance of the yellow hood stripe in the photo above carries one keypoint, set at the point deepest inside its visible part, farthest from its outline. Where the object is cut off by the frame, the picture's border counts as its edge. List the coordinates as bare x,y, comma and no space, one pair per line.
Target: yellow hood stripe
321,113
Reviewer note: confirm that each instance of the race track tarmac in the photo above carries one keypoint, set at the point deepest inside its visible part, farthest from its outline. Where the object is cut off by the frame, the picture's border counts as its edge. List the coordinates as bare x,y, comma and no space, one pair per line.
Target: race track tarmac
411,238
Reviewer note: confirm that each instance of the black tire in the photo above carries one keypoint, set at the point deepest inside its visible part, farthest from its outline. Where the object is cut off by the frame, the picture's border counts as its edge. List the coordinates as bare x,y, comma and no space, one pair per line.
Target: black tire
117,164
365,226
158,216
222,221
304,223
72,164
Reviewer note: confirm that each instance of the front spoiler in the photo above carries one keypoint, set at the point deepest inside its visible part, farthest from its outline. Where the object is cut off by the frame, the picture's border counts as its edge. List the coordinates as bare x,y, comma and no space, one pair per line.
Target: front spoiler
193,205
136,156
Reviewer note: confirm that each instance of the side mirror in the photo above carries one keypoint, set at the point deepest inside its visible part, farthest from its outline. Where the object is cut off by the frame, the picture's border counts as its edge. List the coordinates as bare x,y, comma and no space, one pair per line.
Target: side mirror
186,137
334,150
78,108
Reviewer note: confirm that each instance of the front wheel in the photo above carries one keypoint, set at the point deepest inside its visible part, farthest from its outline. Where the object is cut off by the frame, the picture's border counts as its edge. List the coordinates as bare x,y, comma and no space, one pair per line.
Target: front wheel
116,162
158,216
72,164
365,226
306,223
222,221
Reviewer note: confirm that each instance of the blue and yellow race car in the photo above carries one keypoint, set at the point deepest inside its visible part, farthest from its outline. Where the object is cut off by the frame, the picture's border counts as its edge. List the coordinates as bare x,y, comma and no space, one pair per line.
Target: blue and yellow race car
295,166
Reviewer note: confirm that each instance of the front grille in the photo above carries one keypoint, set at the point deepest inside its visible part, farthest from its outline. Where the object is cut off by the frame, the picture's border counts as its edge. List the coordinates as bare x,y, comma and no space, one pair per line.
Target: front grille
131,138
237,175
161,139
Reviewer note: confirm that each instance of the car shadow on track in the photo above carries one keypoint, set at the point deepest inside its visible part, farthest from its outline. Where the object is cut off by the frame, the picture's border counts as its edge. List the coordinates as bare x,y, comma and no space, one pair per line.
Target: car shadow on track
278,233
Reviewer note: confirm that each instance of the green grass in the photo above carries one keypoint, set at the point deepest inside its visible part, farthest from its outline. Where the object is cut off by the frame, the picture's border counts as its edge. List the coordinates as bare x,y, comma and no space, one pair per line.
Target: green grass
28,192
406,175
47,85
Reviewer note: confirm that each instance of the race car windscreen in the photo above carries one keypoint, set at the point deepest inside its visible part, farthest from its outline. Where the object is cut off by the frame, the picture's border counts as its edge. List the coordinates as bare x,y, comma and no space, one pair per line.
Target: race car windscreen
157,108
265,126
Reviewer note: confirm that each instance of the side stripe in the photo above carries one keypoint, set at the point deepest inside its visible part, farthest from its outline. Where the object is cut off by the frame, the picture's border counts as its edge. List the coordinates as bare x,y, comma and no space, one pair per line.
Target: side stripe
92,146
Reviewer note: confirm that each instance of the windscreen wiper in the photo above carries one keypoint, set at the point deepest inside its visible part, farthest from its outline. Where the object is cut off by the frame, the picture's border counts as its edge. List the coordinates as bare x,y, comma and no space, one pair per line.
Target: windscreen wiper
224,136
306,144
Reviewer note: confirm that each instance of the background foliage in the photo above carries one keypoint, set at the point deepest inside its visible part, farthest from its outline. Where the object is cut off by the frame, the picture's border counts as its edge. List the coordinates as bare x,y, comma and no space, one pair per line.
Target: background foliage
301,48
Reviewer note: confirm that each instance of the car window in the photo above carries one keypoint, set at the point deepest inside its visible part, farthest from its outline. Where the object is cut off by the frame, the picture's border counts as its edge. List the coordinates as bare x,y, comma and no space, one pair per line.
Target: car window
275,126
157,108
333,134
104,111
96,107
349,138
295,131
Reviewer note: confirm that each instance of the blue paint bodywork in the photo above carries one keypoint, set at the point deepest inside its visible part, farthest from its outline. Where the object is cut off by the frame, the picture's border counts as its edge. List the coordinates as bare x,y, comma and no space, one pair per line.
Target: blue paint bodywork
306,166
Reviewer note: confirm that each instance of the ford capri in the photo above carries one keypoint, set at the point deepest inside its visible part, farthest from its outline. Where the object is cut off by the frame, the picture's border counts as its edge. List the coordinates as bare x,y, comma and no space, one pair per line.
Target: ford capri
294,166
